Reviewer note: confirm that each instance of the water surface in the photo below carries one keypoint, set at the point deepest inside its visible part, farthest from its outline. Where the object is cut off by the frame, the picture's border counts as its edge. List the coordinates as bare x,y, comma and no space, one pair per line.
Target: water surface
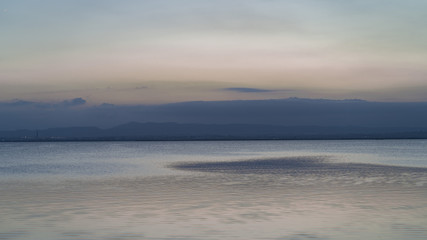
214,190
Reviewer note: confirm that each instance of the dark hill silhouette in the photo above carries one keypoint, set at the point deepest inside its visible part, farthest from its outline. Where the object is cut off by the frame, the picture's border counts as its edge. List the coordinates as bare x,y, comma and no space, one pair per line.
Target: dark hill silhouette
292,118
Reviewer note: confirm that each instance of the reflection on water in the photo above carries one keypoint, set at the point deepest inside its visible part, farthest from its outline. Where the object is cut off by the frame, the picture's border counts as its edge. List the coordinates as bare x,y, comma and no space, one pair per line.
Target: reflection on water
296,197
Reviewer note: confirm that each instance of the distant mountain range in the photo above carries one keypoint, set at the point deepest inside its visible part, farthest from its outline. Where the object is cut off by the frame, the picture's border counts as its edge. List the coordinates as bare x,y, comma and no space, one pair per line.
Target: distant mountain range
291,118
176,131
278,112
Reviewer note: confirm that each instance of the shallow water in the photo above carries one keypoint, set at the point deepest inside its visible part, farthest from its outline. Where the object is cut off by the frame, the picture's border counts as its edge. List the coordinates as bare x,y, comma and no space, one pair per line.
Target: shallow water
214,190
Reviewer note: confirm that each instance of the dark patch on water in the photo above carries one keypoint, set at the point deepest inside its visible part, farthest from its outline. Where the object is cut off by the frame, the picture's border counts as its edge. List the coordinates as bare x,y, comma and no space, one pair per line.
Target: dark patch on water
292,165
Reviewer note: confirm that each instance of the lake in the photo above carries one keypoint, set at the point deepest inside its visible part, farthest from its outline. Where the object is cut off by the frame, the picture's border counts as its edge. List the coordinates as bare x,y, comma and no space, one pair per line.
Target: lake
352,189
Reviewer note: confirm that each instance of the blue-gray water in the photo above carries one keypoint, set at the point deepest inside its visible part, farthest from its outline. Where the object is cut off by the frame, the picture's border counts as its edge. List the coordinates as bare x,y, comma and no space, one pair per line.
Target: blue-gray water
214,190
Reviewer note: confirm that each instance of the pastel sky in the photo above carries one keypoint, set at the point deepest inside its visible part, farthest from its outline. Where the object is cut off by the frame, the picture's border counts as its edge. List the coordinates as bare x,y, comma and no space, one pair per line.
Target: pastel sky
160,51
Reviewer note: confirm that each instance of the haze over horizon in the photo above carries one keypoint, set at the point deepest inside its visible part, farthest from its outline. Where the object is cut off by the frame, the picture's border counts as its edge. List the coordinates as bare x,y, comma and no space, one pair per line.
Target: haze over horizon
162,51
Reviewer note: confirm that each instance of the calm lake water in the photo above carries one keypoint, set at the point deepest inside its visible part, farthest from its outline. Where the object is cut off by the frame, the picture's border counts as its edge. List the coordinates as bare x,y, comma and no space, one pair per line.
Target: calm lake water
214,190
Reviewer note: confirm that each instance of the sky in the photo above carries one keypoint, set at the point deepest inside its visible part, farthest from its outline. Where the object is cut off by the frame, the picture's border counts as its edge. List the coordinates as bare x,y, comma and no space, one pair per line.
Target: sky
163,51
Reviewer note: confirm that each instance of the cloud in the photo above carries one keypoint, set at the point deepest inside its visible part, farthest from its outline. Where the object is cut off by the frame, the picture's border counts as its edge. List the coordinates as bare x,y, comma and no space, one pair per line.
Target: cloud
74,102
23,104
17,103
248,90
107,105
140,87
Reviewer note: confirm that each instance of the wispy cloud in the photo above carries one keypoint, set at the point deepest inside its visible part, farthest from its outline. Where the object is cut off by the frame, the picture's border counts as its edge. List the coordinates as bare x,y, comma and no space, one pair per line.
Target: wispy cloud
255,90
248,90
141,87
18,104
